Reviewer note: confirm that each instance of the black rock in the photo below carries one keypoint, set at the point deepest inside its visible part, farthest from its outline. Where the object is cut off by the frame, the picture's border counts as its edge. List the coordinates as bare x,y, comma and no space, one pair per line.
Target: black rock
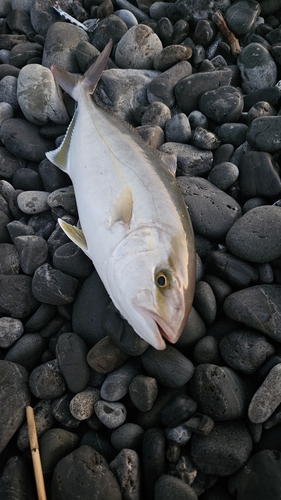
44,421
128,435
33,252
46,381
168,487
9,259
16,297
259,175
61,412
222,105
53,286
71,352
234,271
40,318
116,384
70,259
143,392
54,445
178,410
153,455
170,367
100,443
106,356
27,351
17,477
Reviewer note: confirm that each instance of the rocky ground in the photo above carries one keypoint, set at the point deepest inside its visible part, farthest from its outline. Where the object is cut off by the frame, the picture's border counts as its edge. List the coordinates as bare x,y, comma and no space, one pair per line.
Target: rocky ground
116,418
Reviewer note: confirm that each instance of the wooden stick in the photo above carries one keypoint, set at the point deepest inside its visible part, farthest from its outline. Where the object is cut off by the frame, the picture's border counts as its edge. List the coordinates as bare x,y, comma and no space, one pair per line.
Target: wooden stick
225,31
34,448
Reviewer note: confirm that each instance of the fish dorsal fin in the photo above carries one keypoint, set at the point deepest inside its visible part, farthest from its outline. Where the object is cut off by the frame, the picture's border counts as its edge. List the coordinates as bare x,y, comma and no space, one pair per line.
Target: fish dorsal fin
74,234
94,72
122,210
59,156
170,161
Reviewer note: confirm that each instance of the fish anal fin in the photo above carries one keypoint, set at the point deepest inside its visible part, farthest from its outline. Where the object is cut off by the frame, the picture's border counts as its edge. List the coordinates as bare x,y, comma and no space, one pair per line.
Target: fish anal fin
60,155
170,161
74,234
122,210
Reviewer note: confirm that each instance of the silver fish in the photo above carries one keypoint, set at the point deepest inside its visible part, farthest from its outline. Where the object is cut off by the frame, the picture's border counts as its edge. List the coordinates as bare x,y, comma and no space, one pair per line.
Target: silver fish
135,225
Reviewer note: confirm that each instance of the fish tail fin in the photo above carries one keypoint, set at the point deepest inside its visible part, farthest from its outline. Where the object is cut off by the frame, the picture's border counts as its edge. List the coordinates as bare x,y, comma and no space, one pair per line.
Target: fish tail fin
71,83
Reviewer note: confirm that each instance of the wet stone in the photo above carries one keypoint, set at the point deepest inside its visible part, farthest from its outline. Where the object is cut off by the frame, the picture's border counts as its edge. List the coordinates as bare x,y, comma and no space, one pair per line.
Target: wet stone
82,404
116,384
106,356
222,105
46,381
111,414
33,252
143,391
241,16
146,45
245,350
224,450
128,435
257,67
252,305
191,161
44,421
218,211
53,286
71,352
223,175
84,473
10,331
267,398
170,367
126,467
16,297
220,392
27,350
168,487
54,445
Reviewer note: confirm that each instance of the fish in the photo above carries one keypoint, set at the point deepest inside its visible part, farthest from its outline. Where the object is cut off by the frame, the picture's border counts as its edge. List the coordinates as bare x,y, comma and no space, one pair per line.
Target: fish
133,222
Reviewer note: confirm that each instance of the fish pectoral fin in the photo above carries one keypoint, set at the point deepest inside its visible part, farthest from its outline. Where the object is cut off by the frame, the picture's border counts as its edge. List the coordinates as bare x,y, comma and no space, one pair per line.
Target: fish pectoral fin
122,210
60,155
74,234
170,161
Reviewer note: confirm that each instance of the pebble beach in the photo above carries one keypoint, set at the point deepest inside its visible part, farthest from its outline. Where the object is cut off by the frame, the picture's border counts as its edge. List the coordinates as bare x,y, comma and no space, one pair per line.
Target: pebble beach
115,418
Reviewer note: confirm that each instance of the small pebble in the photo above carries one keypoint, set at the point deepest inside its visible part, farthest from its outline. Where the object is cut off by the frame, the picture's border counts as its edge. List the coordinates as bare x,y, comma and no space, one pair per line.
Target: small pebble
46,381
33,252
117,383
128,435
111,414
257,67
267,397
10,330
126,467
82,405
205,139
143,392
223,175
170,367
52,286
106,356
168,487
71,352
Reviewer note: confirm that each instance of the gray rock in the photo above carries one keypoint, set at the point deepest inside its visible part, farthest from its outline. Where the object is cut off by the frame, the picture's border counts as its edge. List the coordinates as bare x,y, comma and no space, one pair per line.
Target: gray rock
143,392
16,297
33,202
106,356
33,252
127,16
138,48
46,381
10,330
168,487
171,55
65,198
39,98
6,111
264,134
60,44
234,271
71,352
116,384
170,367
54,445
23,52
204,139
52,286
253,307
16,476
257,67
156,114
126,467
27,350
82,405
194,330
9,259
205,302
259,109
138,13
207,351
267,397
161,88
232,133
177,129
191,161
180,434
128,435
242,16
223,175
70,259
8,91
111,414
224,104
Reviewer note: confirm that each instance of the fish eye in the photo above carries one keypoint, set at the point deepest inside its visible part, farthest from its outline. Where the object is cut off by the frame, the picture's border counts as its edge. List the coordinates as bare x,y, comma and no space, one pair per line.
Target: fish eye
162,280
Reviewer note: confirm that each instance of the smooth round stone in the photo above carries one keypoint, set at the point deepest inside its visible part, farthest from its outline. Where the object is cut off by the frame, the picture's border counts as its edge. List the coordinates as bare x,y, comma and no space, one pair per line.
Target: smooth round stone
65,198
177,129
220,288
259,175
17,477
170,56
70,259
207,351
46,381
27,180
253,238
9,164
234,271
265,273
188,90
23,139
126,467
179,409
223,175
60,44
252,305
267,398
242,16
128,435
257,67
9,259
261,108
10,330
245,350
191,161
82,404
84,473
4,221
33,202
194,330
14,397
116,384
259,478
156,114
71,352
111,27
44,421
204,33
89,308
53,286
17,228
111,414
218,211
127,16
8,91
254,203
161,88
180,434
165,31
153,135
140,14
33,252
16,297
220,392
232,133
170,367
52,177
138,48
106,356
40,318
54,445
27,350
205,302
60,410
224,450
153,457
168,487
22,53
143,392
264,134
205,139
222,105
197,119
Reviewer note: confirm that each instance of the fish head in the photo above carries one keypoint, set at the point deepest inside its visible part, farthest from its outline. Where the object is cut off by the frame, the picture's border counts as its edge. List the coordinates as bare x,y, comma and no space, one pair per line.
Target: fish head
151,281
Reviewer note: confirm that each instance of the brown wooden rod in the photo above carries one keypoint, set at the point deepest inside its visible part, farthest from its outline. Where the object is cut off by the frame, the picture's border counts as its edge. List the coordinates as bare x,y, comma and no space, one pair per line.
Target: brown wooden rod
225,31
34,448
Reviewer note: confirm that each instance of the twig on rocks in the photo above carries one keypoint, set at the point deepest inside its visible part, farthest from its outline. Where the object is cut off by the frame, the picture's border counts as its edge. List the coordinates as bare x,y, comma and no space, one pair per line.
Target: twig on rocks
225,31
34,447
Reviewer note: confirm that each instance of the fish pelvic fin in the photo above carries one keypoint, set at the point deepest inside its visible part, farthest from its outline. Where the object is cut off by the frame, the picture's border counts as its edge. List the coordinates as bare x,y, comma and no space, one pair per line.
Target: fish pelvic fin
60,155
74,234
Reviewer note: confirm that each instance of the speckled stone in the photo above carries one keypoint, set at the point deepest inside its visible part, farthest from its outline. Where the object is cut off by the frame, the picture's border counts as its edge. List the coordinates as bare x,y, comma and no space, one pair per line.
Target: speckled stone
111,414
267,398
